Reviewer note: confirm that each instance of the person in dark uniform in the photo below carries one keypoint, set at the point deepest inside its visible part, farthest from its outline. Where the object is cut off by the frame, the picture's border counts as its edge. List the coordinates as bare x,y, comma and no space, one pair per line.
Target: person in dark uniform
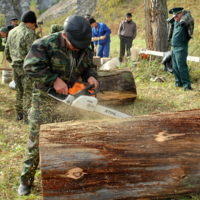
14,23
3,34
182,25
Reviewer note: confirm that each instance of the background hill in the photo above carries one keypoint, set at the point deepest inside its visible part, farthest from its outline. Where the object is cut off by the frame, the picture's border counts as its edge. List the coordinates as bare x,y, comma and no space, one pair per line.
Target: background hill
113,14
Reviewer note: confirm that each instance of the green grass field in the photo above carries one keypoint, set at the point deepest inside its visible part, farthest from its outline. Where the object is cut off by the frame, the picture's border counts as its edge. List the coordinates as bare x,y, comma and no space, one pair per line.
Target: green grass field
152,97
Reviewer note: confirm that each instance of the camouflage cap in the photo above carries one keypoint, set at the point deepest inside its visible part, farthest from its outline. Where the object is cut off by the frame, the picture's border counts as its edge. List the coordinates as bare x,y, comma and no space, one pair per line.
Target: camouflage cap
3,29
176,11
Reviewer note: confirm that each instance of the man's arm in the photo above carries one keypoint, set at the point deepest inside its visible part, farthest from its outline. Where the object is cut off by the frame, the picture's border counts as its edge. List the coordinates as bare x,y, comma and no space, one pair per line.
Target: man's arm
36,64
106,30
7,51
119,29
30,38
134,30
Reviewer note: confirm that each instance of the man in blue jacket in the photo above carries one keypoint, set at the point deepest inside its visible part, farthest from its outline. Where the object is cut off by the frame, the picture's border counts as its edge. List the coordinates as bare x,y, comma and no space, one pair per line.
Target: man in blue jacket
101,37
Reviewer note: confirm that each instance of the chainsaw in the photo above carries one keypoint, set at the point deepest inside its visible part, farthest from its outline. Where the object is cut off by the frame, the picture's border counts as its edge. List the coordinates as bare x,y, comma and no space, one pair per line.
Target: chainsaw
83,97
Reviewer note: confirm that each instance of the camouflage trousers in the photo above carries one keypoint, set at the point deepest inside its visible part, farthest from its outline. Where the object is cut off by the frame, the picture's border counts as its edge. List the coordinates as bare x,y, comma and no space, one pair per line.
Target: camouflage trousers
44,110
23,91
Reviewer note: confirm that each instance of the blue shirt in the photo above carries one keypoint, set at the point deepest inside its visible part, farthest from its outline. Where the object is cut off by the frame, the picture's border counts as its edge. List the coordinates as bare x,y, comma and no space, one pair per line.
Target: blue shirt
101,30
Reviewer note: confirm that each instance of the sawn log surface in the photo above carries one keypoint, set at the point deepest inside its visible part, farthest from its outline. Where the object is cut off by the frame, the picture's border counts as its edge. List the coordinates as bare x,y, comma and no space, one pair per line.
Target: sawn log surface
146,157
118,87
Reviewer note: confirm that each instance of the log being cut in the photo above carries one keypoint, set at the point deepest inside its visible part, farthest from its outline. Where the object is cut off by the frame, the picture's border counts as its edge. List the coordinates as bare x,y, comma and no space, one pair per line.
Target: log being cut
146,157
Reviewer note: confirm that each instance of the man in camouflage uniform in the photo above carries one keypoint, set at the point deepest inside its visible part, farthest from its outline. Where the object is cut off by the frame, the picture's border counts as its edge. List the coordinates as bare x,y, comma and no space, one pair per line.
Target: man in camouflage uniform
180,30
3,34
54,28
57,61
18,44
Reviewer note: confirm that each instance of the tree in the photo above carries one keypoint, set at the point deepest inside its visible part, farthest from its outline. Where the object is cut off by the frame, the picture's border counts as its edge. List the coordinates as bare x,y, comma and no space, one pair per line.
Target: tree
156,25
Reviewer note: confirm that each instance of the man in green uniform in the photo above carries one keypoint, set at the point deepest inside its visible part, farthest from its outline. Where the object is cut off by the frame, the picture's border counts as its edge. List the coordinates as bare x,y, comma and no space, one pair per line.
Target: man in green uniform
17,46
180,32
3,34
57,61
55,28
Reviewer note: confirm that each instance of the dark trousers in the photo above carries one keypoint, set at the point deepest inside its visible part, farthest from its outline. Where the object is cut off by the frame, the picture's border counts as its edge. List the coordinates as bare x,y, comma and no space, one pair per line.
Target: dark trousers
125,45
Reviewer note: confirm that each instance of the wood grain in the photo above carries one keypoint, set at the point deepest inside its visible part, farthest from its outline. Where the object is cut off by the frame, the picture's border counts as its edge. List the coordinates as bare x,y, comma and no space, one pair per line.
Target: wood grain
146,157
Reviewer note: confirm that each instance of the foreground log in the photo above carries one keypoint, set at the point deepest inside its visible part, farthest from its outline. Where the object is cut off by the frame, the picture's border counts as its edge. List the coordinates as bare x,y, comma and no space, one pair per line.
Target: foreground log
147,157
6,68
118,87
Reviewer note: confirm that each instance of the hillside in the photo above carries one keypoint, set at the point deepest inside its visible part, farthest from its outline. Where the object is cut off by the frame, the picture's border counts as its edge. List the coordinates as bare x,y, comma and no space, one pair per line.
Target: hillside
112,16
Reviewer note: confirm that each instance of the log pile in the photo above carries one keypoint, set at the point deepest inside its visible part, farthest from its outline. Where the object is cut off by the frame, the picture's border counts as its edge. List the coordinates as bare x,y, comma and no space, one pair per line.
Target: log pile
146,157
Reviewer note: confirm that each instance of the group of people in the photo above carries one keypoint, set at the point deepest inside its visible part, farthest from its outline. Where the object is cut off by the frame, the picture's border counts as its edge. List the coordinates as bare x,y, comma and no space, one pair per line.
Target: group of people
100,41
127,32
64,57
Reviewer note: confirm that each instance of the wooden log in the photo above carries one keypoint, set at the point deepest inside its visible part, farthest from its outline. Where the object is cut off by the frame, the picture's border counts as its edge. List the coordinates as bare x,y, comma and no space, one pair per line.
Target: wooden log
97,61
118,87
146,157
6,68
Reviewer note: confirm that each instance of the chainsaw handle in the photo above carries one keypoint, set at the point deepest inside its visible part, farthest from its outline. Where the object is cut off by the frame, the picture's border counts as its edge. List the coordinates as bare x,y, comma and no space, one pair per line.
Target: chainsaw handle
52,92
85,91
96,91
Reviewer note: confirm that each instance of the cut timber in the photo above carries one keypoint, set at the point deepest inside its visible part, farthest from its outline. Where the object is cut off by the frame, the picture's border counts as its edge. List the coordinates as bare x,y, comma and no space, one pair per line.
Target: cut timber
118,87
146,157
6,68
97,61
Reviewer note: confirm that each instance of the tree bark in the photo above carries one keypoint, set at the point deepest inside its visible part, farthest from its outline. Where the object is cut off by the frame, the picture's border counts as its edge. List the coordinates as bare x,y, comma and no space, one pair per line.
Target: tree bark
156,26
146,157
118,87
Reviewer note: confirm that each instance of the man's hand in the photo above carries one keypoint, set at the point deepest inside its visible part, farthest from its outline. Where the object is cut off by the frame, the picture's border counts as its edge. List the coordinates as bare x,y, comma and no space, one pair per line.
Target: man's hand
102,37
60,86
92,81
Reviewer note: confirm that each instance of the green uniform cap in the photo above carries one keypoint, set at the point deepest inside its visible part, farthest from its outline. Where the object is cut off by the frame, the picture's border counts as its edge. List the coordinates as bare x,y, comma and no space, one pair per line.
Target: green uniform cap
175,11
3,29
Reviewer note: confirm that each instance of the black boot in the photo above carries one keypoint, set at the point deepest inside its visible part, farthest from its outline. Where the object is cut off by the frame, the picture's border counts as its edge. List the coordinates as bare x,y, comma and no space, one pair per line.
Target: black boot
24,190
19,116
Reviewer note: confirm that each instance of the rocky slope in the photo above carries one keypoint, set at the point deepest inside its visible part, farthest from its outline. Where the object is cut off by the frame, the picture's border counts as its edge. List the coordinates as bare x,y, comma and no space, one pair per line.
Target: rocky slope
15,8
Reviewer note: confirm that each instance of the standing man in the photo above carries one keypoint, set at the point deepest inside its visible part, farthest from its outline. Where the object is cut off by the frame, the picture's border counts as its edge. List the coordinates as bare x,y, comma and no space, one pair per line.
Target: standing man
127,32
18,45
14,23
101,37
3,34
54,61
180,30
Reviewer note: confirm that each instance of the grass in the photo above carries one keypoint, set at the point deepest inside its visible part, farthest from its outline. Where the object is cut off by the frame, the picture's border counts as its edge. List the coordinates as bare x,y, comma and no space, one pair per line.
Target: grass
152,97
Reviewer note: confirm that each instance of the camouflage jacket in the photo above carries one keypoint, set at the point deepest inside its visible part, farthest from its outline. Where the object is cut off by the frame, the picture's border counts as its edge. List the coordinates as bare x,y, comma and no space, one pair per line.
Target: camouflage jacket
55,28
50,58
188,21
1,45
18,44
